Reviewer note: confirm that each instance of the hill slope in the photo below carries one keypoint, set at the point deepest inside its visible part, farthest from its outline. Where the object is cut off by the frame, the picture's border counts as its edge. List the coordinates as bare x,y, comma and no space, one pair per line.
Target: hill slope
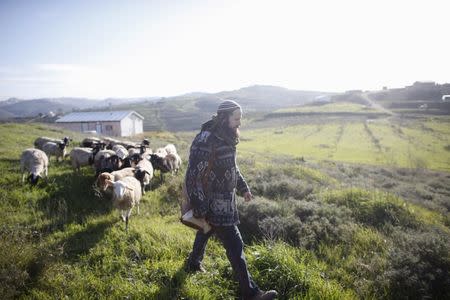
310,234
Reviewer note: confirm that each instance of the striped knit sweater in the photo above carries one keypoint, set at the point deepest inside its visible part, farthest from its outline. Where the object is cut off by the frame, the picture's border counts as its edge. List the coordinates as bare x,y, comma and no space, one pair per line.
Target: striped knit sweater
215,196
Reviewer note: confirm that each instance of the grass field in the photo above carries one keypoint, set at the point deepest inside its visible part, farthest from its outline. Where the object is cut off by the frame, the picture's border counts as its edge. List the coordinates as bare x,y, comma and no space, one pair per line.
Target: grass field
378,142
330,107
315,230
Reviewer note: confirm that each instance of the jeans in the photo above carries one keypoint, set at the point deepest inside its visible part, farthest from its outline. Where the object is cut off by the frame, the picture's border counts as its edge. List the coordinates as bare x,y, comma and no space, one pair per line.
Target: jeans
234,246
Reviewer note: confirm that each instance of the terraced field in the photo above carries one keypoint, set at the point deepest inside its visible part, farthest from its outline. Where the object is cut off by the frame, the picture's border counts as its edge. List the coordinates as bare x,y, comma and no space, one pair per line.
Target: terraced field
390,142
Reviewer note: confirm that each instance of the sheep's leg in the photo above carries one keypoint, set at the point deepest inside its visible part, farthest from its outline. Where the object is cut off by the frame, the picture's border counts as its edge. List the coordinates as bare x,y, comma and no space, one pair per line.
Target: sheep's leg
127,218
138,209
23,177
122,215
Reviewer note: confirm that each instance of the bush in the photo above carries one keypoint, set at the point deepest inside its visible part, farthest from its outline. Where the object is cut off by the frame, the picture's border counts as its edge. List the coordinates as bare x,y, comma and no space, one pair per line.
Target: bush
374,209
322,223
419,265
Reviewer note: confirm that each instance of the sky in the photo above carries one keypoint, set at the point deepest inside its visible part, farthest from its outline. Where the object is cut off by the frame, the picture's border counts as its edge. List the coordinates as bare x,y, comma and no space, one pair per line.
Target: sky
101,49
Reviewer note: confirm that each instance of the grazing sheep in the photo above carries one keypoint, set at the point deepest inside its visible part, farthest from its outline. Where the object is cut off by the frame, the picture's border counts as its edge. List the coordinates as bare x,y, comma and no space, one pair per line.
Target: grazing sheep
121,151
113,176
170,148
173,160
161,152
40,141
144,173
159,163
34,161
100,156
126,144
132,160
127,194
80,157
108,164
90,141
56,149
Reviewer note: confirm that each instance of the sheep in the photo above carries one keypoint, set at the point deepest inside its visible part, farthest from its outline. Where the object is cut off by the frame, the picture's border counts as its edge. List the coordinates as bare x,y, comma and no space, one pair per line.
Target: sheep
56,149
126,144
126,194
34,161
113,176
143,150
170,148
80,157
144,173
132,160
90,142
161,152
173,160
102,161
40,141
121,151
133,151
161,164
108,164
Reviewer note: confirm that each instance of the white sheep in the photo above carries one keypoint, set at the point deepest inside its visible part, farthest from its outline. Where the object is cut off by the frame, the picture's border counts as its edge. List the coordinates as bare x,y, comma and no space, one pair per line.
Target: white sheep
173,160
170,148
161,152
34,161
121,151
126,194
56,149
113,176
80,156
144,173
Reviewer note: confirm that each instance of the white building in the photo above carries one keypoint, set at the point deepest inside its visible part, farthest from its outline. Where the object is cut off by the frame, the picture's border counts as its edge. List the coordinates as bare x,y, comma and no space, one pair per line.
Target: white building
110,123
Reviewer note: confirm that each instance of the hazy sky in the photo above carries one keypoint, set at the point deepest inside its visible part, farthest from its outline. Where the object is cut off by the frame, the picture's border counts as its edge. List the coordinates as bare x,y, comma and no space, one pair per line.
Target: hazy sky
131,48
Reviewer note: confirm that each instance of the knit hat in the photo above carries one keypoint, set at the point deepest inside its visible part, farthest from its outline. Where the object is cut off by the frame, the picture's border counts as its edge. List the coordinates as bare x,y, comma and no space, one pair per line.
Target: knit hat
228,105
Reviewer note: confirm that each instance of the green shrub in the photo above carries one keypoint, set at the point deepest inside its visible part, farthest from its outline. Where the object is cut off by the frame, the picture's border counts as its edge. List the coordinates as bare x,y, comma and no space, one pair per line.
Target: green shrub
419,265
374,208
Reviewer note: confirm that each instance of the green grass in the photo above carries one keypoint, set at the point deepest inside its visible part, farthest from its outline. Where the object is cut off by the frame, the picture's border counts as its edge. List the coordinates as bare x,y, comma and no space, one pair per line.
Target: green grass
330,108
379,143
61,240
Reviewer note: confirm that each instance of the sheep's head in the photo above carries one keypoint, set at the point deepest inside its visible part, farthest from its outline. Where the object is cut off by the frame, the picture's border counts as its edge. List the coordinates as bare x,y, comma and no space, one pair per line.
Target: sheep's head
102,178
139,173
119,187
33,178
66,140
62,145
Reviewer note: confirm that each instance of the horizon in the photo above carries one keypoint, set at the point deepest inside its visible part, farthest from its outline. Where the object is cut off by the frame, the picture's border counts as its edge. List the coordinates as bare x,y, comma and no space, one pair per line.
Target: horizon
172,96
112,49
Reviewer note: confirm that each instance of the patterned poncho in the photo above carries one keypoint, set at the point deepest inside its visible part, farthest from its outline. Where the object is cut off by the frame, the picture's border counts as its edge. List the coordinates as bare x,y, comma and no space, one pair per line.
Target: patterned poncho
213,195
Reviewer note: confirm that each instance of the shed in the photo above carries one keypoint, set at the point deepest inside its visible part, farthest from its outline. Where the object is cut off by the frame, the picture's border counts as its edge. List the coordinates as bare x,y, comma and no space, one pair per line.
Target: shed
111,123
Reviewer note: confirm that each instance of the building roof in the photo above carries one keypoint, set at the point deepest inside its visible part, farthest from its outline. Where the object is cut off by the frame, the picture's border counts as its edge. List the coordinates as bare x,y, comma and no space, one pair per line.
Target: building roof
95,116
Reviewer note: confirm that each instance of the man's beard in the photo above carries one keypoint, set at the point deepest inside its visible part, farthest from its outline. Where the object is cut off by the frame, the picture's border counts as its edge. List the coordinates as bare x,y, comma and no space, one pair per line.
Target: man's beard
234,133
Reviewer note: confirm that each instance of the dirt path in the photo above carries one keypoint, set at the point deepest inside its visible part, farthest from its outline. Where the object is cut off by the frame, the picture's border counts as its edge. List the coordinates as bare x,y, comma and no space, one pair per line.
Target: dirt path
376,105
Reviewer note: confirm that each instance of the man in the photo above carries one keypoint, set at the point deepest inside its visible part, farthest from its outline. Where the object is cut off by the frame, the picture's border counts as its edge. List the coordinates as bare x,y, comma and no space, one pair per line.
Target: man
212,179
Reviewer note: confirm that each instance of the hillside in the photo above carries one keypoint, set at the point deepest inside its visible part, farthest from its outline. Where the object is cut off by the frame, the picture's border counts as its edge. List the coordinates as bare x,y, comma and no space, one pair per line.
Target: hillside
172,113
317,229
19,108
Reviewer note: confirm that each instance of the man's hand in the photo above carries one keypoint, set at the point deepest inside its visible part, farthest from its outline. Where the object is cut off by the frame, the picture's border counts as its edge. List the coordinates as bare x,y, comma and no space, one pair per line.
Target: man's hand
248,196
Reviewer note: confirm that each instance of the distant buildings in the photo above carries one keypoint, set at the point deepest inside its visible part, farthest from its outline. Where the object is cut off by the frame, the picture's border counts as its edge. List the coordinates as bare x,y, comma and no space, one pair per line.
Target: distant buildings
110,123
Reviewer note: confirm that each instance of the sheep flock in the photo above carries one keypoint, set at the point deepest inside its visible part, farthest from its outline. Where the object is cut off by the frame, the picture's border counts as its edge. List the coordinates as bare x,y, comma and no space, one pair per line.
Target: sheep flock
123,170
